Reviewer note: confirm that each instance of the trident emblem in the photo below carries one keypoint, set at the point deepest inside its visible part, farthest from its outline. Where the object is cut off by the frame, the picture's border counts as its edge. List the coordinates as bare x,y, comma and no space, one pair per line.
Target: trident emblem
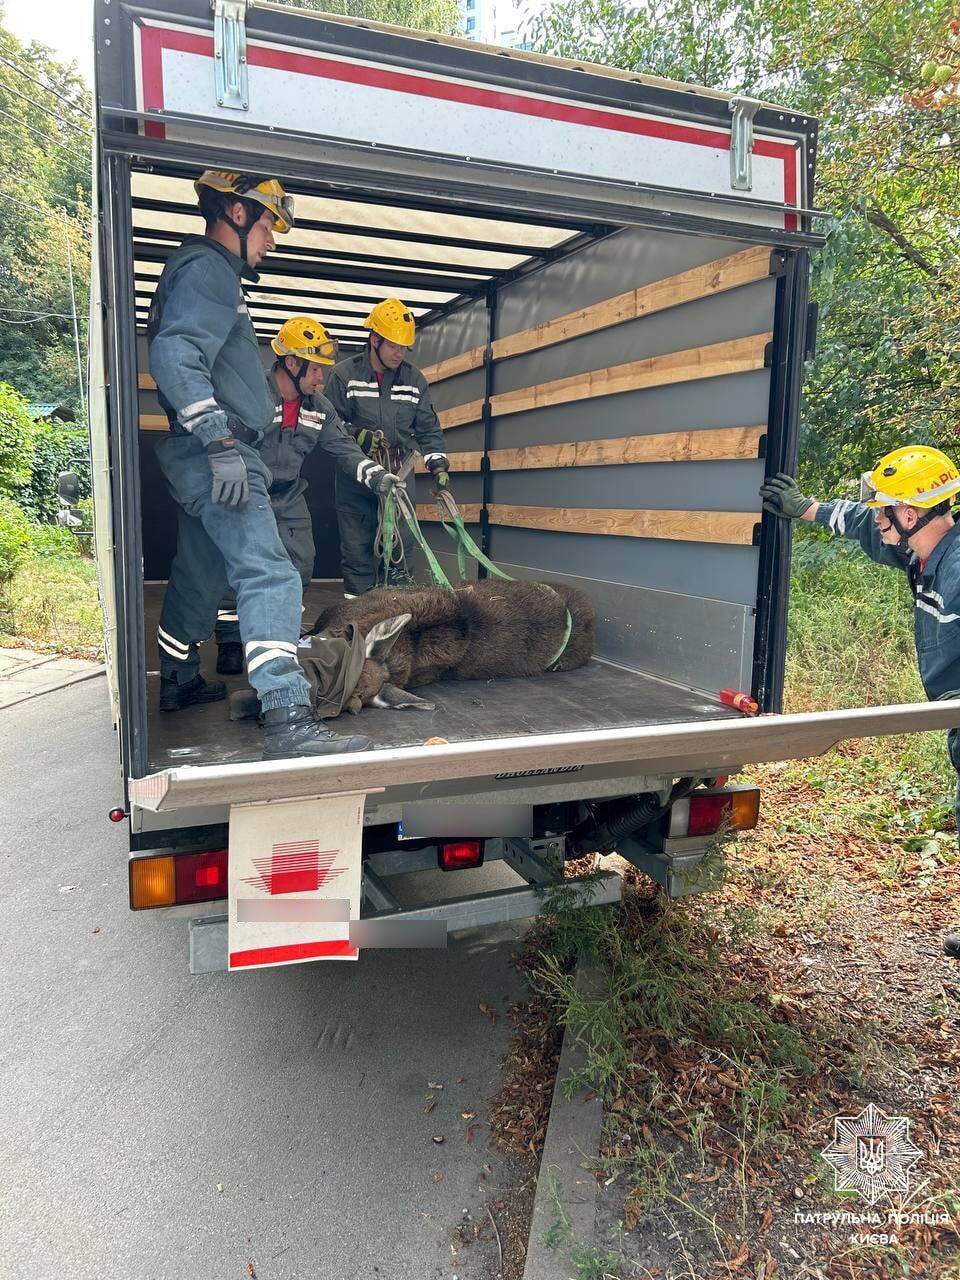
871,1153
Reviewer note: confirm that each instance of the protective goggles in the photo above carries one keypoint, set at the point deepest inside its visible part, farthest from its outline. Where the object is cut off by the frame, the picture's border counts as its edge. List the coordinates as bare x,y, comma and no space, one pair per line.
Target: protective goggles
872,496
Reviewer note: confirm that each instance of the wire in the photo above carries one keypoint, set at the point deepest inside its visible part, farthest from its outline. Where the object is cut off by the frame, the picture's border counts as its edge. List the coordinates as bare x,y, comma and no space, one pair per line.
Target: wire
68,124
44,137
72,105
35,311
36,319
32,208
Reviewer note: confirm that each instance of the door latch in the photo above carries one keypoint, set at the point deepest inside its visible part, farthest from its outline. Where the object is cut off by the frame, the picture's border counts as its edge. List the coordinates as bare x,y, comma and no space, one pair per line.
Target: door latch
741,143
230,52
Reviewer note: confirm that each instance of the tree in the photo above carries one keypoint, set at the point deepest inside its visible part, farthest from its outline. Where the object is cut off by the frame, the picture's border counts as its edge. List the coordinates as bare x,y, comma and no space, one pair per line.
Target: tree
441,16
883,82
17,442
45,153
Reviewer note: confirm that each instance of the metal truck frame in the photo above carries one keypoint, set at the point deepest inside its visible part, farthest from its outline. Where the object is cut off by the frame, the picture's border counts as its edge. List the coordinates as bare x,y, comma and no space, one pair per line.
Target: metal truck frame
526,184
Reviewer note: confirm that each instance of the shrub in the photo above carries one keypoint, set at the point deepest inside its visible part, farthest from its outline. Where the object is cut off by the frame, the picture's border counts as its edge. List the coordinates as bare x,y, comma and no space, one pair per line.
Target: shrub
58,447
15,540
17,439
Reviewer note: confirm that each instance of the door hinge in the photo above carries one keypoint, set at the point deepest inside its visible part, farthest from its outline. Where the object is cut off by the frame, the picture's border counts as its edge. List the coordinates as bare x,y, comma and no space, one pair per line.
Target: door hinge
230,52
741,143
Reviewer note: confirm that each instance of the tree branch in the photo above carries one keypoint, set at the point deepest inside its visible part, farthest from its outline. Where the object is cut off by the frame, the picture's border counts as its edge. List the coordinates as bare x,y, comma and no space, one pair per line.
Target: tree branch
877,218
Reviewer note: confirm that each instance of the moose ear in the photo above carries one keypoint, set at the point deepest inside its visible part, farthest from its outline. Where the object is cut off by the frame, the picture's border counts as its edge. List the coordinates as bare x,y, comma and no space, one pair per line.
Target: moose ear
392,696
382,636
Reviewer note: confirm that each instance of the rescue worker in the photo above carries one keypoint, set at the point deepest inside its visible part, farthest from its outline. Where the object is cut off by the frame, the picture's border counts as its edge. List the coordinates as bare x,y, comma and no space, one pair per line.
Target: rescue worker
904,520
205,359
302,418
385,401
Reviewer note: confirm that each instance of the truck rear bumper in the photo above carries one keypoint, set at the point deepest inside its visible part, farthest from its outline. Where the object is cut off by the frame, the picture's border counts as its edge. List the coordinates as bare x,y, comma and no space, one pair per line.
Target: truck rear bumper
208,934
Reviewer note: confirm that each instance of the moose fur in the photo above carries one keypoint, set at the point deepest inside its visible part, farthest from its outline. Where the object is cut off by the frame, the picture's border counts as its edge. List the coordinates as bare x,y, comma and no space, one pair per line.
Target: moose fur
482,631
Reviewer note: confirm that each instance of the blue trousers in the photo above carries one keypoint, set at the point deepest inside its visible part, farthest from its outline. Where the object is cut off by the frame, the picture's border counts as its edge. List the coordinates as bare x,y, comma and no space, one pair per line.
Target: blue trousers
295,527
236,547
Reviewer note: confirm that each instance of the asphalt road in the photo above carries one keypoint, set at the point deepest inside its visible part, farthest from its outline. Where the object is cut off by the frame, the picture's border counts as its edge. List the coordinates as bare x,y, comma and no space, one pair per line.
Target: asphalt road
154,1124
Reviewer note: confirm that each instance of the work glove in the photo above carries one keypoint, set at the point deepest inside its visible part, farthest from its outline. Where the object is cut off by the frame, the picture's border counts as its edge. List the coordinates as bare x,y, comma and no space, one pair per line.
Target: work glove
782,497
386,482
368,440
230,485
438,464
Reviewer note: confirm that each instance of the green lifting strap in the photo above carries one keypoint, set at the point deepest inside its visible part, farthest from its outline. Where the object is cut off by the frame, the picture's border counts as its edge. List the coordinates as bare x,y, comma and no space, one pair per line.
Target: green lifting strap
452,521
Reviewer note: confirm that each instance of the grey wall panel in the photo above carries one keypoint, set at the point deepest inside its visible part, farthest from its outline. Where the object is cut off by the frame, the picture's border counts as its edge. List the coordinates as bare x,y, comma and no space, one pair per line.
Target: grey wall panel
627,260
703,644
739,313
662,486
736,400
446,557
465,439
466,487
459,390
717,572
450,335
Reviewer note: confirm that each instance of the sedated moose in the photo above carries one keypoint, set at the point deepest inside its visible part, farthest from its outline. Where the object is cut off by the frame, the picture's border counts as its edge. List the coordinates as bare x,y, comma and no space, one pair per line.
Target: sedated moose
486,630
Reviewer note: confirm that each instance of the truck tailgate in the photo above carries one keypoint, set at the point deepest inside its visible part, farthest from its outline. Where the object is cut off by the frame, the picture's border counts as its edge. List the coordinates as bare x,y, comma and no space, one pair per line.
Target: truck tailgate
701,747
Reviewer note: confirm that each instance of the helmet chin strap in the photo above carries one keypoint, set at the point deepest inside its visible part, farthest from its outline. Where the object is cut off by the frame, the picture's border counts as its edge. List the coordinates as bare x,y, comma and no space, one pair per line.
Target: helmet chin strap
242,232
295,378
907,534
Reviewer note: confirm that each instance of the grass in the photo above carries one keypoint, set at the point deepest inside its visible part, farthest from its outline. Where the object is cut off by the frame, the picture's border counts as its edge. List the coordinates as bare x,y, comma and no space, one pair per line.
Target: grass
52,603
714,1062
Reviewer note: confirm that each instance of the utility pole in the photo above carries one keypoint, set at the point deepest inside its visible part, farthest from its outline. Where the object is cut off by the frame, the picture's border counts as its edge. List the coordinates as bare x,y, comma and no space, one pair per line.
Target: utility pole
76,327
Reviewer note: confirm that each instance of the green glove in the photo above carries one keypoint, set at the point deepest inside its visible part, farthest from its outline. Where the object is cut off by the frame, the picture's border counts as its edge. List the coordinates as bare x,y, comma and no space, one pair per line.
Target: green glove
368,440
782,497
442,478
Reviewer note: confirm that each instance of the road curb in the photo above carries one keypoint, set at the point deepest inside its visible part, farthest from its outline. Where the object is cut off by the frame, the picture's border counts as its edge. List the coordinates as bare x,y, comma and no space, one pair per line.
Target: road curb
566,1191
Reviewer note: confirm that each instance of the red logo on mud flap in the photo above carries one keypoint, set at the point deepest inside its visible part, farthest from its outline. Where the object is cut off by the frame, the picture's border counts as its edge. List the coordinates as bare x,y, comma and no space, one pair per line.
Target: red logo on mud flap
295,866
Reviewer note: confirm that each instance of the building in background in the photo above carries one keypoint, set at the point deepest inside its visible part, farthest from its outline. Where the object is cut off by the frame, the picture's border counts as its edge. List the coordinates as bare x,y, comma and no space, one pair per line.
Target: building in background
494,22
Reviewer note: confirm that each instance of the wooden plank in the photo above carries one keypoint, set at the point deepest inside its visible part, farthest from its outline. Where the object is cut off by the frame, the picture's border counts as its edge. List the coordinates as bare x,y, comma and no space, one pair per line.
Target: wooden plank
458,462
429,511
154,422
685,526
699,282
145,382
460,415
453,365
712,443
739,355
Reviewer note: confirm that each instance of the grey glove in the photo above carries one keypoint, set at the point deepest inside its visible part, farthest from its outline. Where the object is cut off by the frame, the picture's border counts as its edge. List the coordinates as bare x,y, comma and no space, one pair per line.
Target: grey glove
230,484
386,482
782,497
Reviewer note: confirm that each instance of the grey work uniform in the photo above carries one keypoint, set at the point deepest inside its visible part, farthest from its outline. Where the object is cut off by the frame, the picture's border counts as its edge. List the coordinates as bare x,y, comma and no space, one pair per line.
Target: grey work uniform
205,357
284,450
401,408
935,586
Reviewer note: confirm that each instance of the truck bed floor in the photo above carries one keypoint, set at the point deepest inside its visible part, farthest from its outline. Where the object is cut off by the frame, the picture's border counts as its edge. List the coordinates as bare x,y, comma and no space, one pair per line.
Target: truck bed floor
598,696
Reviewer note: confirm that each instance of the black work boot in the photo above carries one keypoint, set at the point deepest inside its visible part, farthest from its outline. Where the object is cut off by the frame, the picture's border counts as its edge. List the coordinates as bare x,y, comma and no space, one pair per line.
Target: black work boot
951,944
299,731
229,658
174,697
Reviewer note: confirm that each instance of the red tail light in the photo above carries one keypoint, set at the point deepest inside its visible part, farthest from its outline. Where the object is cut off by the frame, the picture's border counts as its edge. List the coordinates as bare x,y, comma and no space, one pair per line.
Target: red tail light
169,880
705,812
458,854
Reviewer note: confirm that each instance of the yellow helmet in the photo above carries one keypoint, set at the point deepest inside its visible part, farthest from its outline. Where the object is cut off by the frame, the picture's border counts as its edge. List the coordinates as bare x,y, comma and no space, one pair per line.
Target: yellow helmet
915,476
306,339
393,321
246,186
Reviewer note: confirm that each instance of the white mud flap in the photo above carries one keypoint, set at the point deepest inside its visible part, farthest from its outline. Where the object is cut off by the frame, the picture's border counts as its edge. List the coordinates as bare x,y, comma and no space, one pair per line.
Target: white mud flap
294,880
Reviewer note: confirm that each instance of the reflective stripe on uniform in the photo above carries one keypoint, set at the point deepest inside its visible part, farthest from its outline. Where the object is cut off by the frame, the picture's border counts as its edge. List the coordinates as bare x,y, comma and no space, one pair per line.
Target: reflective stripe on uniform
175,648
364,469
224,615
260,651
935,612
837,521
